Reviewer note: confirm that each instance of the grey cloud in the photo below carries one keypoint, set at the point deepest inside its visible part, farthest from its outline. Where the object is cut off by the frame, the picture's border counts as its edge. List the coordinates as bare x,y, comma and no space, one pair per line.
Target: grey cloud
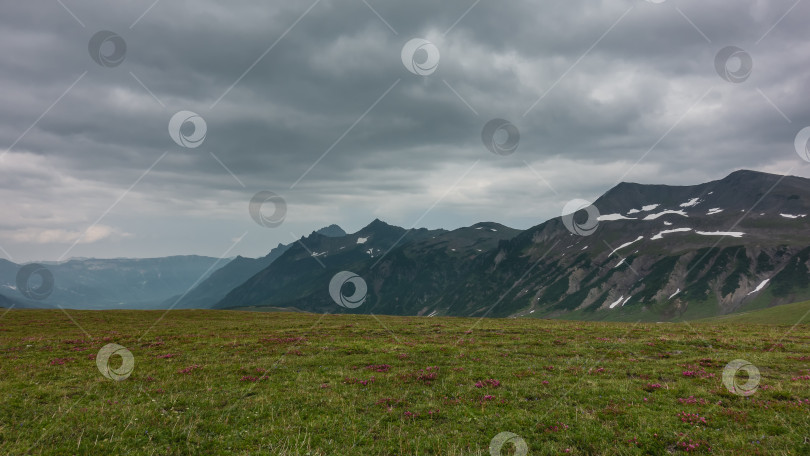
604,111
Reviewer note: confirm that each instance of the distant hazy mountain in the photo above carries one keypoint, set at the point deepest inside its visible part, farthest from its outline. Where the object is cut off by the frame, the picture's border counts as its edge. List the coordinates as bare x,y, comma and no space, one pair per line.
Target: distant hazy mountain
214,288
6,303
113,283
658,253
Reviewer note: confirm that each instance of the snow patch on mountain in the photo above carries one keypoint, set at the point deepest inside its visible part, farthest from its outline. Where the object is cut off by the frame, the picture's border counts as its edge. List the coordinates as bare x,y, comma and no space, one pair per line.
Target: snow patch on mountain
791,216
646,208
735,234
675,294
674,230
612,217
668,211
714,210
362,240
759,287
691,203
626,244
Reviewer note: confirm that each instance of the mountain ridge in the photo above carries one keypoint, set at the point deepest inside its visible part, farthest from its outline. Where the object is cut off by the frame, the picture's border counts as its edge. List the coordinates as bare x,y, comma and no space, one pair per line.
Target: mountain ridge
656,252
686,259
213,288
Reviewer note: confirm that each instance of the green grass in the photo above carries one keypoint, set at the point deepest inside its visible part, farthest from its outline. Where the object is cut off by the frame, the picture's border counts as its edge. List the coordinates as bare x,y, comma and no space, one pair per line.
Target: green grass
291,383
787,314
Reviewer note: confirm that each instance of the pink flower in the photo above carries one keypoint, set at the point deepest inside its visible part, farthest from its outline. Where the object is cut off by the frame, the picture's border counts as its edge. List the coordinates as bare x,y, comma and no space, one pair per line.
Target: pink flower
353,380
692,418
189,369
560,426
60,361
428,374
490,383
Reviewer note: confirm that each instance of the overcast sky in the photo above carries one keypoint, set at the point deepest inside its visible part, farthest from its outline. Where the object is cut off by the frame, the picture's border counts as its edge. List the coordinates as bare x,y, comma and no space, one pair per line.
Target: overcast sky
315,102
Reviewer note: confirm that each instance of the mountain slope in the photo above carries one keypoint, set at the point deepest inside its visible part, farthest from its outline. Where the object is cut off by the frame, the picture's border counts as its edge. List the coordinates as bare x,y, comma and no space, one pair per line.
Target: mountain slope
676,263
787,314
658,253
298,276
210,291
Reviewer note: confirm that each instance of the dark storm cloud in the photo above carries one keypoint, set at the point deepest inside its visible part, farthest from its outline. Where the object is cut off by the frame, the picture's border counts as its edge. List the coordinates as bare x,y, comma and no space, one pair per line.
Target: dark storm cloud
592,87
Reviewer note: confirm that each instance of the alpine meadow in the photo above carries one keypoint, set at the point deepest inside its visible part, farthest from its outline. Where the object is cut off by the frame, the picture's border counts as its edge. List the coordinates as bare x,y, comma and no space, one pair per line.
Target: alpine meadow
379,227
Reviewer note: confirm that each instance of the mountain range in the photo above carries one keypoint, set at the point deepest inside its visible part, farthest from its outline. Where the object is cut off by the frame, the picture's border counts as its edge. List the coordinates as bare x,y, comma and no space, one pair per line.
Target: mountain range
134,283
658,252
639,252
